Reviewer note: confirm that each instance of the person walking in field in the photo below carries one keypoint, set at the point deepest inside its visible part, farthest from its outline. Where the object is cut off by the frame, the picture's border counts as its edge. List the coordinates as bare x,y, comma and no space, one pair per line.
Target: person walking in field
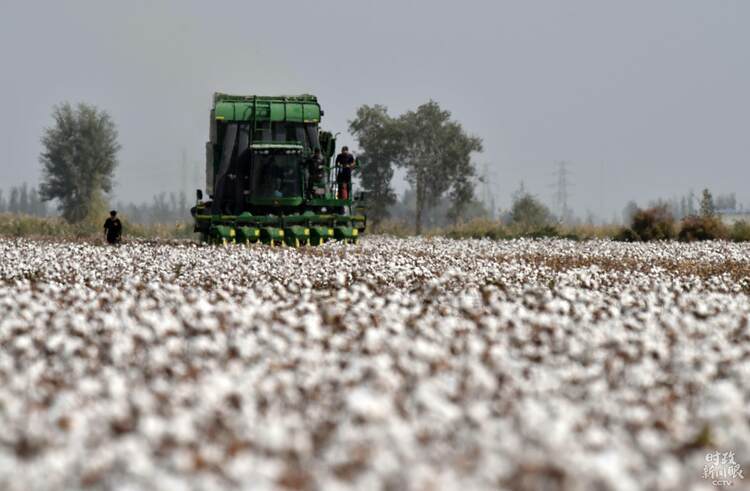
113,229
345,163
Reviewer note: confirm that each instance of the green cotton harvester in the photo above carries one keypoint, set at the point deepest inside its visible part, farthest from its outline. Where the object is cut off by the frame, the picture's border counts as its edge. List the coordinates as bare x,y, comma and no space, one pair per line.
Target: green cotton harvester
263,182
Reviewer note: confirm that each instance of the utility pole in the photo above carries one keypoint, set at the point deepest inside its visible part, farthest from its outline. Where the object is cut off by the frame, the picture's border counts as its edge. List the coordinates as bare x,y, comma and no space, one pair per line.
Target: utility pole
487,195
562,182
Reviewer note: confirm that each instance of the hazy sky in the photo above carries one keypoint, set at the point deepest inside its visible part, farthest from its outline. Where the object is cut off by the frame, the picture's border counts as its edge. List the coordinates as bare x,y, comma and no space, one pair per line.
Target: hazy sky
644,98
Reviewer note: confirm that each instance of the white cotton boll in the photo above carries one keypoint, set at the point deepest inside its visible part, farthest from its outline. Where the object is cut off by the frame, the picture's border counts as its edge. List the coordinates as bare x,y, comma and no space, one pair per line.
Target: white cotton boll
368,404
595,437
23,343
375,339
432,398
722,402
340,279
118,386
651,441
313,326
612,470
89,387
152,426
426,350
669,473
181,426
483,378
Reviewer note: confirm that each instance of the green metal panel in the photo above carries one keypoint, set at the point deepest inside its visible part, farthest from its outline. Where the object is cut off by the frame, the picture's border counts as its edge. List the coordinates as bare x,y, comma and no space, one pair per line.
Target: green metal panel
311,113
278,111
264,110
294,112
275,201
243,111
224,110
283,108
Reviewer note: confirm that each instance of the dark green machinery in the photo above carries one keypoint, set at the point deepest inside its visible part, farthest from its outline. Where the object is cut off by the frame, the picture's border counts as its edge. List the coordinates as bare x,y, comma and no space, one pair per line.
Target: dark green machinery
264,182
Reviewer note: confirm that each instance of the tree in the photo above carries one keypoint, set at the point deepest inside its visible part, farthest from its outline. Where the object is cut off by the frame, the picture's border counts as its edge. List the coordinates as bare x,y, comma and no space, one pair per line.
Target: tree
78,159
629,211
436,153
683,207
691,202
433,149
23,200
13,205
707,204
379,141
36,205
183,207
528,213
2,202
726,202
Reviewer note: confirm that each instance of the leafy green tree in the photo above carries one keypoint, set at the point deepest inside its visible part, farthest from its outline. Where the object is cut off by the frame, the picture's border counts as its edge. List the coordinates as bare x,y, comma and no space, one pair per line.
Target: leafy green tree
707,204
433,149
379,141
436,153
78,159
528,213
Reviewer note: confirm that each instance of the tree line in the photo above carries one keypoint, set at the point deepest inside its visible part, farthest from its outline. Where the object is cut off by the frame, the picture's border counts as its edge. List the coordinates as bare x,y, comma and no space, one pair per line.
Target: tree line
80,154
689,204
164,208
23,200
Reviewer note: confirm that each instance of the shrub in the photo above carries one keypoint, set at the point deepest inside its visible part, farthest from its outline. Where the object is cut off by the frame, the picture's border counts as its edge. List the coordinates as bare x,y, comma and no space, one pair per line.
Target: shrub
395,228
478,228
740,232
588,231
547,231
626,234
528,215
651,224
702,228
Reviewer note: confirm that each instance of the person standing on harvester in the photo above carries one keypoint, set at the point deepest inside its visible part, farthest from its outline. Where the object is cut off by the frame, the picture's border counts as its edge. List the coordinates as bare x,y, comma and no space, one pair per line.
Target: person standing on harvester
345,163
113,228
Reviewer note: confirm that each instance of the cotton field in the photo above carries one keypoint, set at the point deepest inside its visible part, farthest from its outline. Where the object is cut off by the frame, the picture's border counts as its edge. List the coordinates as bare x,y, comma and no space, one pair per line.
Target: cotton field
415,364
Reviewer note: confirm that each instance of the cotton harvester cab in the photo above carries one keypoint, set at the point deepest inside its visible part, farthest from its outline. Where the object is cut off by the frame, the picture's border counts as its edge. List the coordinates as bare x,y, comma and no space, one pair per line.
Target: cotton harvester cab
259,183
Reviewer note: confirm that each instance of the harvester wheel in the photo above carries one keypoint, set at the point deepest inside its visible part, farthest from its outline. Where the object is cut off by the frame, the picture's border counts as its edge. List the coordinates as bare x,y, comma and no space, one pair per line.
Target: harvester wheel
296,243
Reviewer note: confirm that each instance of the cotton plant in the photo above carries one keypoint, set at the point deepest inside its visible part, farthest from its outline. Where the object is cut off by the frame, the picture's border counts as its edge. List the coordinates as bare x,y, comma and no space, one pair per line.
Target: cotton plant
403,363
